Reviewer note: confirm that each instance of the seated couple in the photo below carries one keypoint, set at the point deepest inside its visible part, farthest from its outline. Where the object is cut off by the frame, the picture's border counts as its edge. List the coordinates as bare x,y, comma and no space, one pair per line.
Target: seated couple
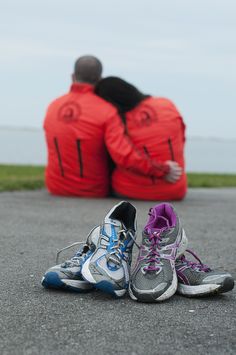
104,120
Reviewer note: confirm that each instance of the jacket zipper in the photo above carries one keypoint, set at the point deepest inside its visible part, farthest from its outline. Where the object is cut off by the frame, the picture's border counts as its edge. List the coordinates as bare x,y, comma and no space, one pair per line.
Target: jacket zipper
59,156
171,149
148,155
78,143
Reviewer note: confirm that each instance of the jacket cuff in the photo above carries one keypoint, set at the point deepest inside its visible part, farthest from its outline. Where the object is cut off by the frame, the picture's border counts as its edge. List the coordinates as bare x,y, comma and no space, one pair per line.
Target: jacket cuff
161,170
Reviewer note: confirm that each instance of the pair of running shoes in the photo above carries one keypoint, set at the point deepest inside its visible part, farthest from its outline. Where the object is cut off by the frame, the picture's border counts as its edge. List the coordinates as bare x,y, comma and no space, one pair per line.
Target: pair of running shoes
161,269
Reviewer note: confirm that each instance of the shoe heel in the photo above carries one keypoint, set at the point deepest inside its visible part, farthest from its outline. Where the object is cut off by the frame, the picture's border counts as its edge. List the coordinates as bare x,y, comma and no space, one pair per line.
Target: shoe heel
93,237
183,244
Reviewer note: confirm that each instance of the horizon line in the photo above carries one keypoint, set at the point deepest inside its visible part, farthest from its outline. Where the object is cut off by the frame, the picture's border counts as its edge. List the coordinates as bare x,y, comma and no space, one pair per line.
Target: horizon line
32,128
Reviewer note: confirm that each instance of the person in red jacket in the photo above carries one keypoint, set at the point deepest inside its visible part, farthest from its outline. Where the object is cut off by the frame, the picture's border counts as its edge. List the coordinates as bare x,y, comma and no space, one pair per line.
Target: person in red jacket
155,126
80,128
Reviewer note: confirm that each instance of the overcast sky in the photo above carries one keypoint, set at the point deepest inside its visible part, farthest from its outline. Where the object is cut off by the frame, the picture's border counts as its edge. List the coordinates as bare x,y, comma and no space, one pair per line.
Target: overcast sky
181,49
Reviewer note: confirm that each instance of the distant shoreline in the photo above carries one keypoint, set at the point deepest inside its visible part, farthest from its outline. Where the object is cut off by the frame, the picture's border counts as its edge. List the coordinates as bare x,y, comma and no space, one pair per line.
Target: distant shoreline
40,129
26,146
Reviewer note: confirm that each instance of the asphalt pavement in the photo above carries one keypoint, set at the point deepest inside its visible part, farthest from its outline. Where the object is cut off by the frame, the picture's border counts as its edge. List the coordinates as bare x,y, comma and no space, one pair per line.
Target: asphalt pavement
34,225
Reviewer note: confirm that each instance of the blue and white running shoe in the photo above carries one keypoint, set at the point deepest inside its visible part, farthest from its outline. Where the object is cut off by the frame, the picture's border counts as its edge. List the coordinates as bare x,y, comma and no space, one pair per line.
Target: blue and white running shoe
108,267
67,275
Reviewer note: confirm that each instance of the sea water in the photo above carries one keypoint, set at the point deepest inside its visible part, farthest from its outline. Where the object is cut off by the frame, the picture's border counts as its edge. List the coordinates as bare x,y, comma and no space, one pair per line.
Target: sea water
27,146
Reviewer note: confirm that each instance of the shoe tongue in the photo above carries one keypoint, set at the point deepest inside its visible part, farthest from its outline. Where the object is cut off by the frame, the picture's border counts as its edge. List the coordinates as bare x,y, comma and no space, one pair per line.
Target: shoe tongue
83,249
160,223
110,224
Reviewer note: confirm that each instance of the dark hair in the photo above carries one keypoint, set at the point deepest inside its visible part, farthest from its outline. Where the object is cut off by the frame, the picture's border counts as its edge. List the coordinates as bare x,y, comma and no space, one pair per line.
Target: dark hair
120,93
88,69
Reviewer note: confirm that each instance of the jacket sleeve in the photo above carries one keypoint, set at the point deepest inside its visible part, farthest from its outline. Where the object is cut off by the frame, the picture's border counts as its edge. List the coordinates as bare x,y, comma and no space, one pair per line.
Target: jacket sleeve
124,153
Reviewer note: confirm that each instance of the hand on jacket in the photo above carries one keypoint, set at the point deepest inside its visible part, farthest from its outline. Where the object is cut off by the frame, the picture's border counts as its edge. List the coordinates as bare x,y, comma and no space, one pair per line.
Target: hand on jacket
174,173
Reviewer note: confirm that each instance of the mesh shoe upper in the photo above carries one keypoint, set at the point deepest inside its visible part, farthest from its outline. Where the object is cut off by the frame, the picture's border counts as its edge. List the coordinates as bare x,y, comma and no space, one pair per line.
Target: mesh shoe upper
110,259
109,266
150,280
70,270
154,269
194,273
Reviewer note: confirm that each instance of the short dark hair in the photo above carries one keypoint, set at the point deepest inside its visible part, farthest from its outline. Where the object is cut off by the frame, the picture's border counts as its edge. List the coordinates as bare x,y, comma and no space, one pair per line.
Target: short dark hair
88,69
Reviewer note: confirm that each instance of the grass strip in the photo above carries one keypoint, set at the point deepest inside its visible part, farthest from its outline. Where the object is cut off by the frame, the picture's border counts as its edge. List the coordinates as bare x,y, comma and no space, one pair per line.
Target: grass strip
21,177
27,177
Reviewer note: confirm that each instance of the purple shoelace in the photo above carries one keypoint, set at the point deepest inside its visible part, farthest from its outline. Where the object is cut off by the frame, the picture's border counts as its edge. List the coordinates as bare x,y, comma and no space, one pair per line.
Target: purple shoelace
153,257
200,266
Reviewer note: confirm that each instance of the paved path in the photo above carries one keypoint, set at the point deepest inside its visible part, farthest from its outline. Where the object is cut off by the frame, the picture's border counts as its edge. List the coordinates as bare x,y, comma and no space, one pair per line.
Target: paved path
33,225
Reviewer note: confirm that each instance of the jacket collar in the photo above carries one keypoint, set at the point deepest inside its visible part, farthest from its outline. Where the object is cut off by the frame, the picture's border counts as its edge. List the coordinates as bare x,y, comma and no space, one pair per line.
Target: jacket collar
81,87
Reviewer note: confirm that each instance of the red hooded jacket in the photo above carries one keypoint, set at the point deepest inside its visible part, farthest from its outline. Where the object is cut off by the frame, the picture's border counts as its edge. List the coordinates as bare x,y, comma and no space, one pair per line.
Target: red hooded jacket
155,127
79,126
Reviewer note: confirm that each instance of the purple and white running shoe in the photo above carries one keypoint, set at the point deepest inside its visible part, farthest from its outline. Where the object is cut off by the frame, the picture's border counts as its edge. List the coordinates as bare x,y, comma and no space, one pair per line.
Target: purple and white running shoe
197,279
154,277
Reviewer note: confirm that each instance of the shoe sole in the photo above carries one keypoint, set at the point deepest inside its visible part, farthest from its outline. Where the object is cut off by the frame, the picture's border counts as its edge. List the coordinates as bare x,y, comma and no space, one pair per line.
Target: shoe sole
52,280
149,295
204,290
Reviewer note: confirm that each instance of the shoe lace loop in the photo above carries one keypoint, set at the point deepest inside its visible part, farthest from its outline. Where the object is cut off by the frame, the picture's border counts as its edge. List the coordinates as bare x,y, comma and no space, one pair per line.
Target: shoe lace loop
194,265
116,249
153,257
79,253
